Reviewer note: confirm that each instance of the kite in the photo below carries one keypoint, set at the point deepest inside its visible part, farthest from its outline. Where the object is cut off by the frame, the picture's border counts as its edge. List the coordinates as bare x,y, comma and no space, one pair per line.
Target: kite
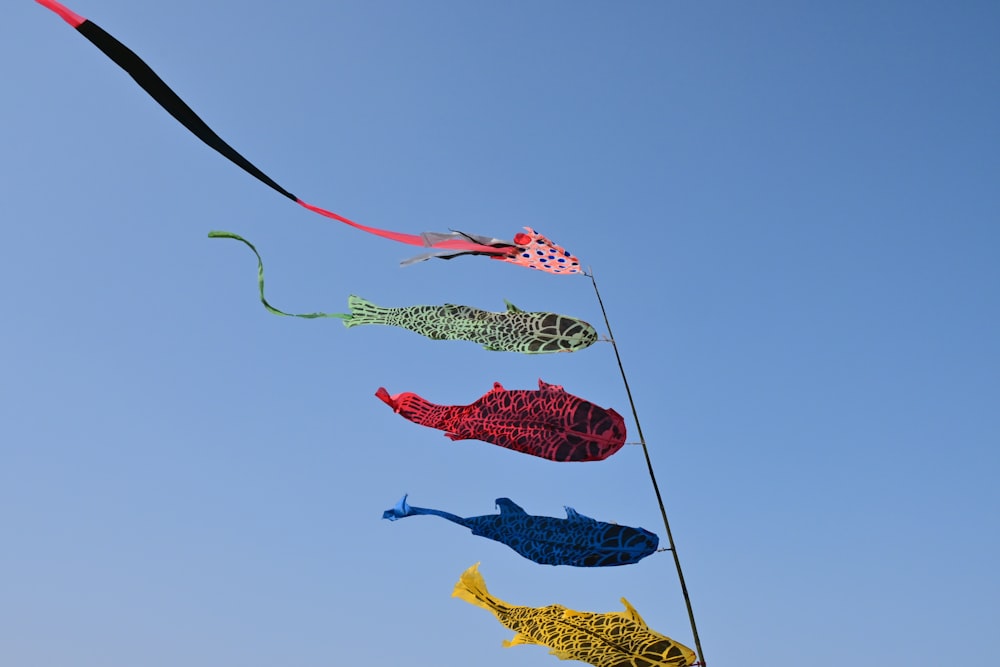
529,249
547,422
576,540
512,331
614,639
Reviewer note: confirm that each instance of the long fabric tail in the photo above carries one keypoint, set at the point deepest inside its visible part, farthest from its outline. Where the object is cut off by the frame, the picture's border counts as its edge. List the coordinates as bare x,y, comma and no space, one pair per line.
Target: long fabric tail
150,81
404,509
260,282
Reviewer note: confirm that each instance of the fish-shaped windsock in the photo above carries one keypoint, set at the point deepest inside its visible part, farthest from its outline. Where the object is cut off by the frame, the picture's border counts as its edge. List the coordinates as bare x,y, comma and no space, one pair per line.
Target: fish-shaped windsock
514,330
614,639
531,250
576,540
547,422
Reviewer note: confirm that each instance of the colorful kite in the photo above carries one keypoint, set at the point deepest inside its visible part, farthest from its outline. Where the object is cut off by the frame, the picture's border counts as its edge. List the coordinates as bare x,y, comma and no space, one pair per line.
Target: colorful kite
614,639
527,249
531,250
576,540
512,331
547,422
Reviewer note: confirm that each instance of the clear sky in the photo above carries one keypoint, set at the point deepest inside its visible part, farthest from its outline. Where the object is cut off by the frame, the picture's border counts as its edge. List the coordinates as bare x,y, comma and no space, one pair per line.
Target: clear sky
792,211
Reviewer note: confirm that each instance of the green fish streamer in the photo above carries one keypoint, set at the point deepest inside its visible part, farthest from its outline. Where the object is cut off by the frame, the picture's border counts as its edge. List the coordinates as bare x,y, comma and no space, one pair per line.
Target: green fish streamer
513,330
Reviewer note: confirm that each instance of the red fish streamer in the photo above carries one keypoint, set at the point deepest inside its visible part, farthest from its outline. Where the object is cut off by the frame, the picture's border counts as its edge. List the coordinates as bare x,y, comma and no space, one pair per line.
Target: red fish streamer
547,422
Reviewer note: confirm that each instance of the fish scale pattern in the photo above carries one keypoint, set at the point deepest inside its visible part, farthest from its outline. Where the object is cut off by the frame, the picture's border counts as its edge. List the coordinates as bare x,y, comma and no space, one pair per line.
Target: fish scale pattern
613,639
548,422
513,330
577,540
581,541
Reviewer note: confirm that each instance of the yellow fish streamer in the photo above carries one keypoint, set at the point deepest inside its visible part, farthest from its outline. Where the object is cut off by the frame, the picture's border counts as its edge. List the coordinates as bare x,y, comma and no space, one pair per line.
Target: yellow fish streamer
614,639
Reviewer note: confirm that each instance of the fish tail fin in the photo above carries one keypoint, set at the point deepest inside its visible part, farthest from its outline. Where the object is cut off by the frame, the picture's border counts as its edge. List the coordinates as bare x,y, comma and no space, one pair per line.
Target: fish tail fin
364,312
471,587
383,395
402,509
260,280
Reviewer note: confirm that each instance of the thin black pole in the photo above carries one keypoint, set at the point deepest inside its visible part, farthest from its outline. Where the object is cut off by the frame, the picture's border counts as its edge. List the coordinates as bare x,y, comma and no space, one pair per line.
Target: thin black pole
652,475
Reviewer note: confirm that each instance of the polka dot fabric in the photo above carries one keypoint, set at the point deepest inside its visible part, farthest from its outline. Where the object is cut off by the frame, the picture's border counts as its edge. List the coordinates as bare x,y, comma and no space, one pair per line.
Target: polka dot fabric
537,252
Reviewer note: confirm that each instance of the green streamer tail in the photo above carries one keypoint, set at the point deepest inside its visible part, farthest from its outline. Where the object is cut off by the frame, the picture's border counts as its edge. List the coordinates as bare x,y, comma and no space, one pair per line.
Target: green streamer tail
260,282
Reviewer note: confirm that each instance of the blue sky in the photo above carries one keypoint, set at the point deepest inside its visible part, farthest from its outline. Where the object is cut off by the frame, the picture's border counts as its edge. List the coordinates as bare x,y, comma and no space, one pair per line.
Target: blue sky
793,216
